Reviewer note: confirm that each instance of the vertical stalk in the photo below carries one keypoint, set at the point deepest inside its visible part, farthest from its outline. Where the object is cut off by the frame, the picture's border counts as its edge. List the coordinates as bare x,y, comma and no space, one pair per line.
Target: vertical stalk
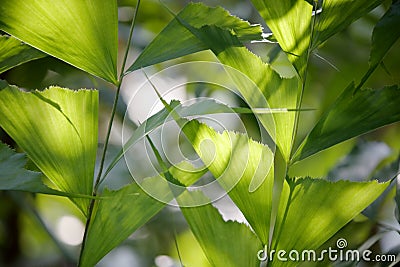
296,124
114,108
110,124
304,79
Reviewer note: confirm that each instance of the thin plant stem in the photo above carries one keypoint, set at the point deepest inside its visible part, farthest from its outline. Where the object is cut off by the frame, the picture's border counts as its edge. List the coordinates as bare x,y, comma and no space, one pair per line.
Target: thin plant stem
114,108
110,124
297,116
304,79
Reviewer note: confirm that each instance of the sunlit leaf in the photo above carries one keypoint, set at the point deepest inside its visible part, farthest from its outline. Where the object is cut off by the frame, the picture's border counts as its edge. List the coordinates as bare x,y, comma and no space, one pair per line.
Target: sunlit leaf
189,249
352,114
14,53
200,107
259,84
261,87
290,22
237,162
176,41
58,130
14,177
80,32
116,217
313,210
119,213
336,15
215,235
211,230
305,203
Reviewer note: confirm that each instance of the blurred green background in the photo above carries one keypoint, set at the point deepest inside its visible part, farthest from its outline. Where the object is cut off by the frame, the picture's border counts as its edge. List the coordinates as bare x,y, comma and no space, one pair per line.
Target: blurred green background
39,230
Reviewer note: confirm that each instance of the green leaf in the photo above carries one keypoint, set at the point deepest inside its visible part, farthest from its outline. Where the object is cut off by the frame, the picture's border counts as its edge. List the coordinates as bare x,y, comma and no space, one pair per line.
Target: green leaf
336,15
313,210
243,167
57,128
290,22
258,83
175,40
210,229
81,33
261,87
117,216
14,177
320,165
235,161
200,107
119,213
385,34
352,114
14,53
215,235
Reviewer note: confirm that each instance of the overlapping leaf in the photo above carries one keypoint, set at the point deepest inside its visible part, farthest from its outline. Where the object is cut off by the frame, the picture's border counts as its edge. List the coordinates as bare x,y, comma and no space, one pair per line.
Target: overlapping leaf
352,114
385,34
14,177
236,162
14,53
116,217
177,41
336,15
212,232
259,84
216,235
119,213
80,32
329,206
290,22
202,107
310,211
313,210
58,130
